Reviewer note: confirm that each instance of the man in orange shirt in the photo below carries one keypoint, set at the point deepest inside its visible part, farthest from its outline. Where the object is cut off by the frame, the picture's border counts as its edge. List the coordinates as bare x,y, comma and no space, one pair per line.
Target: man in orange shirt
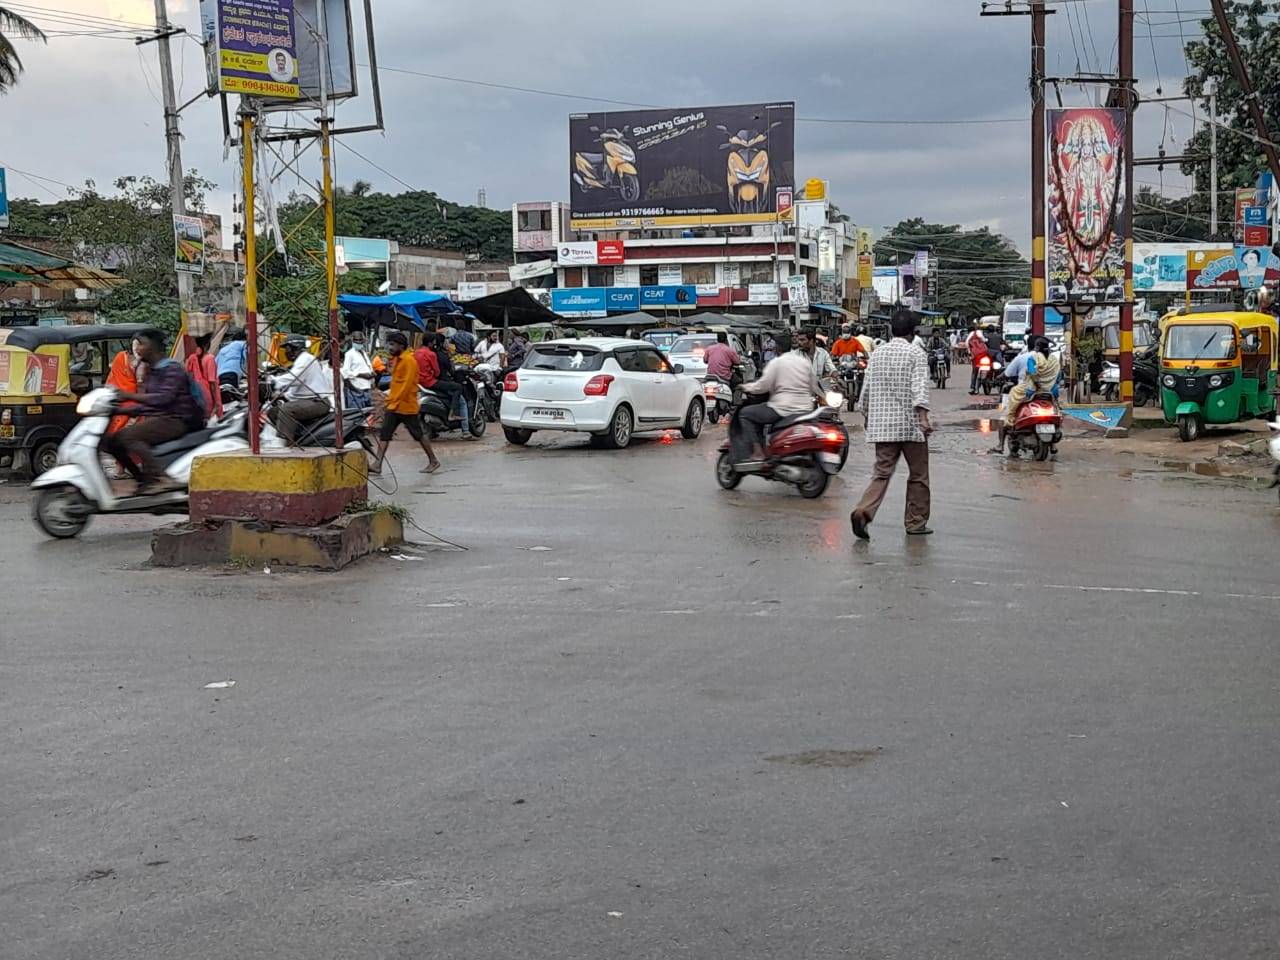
402,404
847,345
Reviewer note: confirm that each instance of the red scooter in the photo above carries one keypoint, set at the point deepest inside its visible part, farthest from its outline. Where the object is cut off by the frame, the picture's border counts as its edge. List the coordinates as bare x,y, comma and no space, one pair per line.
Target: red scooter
1038,428
805,450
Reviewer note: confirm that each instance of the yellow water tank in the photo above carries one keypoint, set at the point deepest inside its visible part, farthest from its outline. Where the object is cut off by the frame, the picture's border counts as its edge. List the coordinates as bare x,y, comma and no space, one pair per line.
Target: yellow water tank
815,189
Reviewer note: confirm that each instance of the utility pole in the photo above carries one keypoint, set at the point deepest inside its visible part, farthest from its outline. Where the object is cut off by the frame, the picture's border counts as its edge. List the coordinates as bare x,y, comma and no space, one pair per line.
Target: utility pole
1124,89
1039,273
1246,86
172,137
330,240
1213,160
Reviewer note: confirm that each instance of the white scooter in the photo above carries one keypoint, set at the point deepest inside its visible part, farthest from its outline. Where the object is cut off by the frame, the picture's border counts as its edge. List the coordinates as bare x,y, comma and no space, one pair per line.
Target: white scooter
78,487
1273,447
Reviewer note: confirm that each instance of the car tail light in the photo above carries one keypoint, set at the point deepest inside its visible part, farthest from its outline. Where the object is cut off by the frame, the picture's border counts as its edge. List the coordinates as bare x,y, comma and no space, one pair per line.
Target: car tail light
511,383
597,386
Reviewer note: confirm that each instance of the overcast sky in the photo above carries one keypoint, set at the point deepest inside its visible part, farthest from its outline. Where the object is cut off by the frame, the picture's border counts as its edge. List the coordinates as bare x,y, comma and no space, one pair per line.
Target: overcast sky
88,107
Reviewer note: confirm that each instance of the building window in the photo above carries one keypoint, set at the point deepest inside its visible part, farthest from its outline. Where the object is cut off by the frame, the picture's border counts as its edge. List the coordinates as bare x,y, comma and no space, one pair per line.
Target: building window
649,276
572,276
599,276
534,220
757,273
704,273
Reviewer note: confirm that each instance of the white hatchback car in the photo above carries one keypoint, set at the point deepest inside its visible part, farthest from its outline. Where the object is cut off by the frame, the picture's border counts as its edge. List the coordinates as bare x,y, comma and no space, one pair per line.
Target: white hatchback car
610,388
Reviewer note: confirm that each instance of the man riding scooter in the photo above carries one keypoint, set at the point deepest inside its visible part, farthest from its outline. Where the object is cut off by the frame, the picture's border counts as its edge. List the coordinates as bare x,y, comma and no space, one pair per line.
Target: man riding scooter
306,391
791,386
1040,376
170,410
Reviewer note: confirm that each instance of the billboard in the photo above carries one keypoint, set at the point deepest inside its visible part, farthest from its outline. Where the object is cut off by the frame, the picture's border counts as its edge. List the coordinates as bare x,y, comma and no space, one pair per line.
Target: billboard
252,47
866,258
1212,268
682,167
4,201
596,301
1085,194
188,244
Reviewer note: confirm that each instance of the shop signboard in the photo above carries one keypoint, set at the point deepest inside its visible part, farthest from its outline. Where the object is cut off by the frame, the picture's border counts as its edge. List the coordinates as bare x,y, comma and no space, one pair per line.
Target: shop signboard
1085,195
1255,216
730,274
688,166
1255,266
589,253
762,293
1257,236
669,295
472,289
252,47
670,274
530,271
595,301
1212,268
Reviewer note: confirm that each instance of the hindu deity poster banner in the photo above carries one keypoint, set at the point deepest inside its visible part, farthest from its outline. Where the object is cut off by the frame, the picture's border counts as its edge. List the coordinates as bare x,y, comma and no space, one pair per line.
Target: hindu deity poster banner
1086,197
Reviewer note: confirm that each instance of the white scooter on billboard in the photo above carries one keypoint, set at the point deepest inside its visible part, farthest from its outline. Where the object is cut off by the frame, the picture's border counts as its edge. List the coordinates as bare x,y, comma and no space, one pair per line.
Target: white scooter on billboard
78,487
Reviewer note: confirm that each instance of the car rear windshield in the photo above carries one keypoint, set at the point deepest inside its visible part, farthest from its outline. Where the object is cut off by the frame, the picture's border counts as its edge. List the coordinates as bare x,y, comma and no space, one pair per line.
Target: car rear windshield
1200,342
563,356
692,343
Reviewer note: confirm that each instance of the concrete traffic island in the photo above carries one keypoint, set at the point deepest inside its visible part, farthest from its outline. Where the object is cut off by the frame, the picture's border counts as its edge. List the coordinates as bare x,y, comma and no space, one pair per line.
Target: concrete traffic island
289,508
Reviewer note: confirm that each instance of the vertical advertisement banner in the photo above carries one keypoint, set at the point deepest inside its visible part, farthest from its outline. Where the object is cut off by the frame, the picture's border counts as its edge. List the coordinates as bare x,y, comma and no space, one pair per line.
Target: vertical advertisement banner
1246,197
1085,194
866,259
188,244
256,47
4,201
798,293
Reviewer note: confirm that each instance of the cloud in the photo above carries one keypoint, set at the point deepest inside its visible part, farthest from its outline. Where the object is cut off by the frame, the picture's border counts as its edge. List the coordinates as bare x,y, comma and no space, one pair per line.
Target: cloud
829,80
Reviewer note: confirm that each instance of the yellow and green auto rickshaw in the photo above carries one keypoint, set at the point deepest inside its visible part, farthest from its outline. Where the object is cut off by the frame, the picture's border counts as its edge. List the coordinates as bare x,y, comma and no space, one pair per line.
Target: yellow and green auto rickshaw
1217,366
43,373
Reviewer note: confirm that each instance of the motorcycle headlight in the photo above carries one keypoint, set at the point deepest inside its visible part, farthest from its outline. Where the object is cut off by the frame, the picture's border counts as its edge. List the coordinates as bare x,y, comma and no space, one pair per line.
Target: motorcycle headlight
1215,381
625,152
1169,381
752,175
834,399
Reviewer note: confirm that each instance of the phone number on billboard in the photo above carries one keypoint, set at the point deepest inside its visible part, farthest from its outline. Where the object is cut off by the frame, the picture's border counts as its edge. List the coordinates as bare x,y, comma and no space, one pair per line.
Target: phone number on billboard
642,211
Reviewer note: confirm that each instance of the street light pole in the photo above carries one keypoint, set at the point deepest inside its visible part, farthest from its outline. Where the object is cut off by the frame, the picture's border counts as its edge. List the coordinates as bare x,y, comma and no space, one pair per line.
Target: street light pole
172,137
1124,87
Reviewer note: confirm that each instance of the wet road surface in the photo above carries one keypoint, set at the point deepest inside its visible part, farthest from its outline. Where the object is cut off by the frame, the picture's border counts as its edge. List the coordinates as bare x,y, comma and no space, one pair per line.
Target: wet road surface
641,717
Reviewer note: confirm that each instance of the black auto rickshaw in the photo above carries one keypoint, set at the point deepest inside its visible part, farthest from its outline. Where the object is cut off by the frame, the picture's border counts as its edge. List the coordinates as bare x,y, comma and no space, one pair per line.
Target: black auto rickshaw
43,373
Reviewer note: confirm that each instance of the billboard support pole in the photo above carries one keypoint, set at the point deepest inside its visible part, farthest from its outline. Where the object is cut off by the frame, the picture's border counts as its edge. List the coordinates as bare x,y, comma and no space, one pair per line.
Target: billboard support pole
330,240
250,276
1124,87
777,281
172,138
1038,265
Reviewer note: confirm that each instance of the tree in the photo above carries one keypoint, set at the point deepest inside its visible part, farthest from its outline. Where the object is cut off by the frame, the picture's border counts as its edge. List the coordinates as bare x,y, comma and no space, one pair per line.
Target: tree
977,269
1240,158
1159,219
10,62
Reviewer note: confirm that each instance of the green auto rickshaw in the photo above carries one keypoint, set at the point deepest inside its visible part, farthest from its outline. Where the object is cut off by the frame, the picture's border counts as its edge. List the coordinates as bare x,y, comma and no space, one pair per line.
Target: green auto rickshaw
1217,367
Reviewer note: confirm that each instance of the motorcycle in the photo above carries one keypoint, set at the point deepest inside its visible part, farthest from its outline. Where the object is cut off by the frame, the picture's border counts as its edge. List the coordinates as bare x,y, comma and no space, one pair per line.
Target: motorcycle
1146,368
717,396
1037,427
1109,382
1273,447
748,168
436,418
614,168
988,370
804,450
940,366
488,391
78,488
853,371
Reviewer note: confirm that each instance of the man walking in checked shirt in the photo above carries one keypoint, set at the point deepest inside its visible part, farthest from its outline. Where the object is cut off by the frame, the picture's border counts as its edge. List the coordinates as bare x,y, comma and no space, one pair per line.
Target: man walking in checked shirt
895,402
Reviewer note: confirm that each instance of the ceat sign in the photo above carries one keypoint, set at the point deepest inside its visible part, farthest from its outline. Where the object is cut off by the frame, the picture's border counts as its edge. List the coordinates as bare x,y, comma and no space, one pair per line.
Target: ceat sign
589,253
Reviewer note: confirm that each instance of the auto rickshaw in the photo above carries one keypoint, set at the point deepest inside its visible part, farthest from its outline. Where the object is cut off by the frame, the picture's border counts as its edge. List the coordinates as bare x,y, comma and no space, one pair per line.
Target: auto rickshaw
1216,367
43,373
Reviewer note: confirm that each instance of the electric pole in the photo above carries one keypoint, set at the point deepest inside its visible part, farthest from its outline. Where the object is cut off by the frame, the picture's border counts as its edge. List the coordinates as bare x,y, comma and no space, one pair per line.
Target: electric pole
1124,90
1039,273
172,136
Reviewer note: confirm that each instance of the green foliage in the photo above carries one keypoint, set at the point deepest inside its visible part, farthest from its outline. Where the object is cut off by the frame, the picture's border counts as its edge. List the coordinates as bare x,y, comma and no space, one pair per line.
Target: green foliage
141,305
1158,219
10,63
978,269
418,218
1088,348
1240,159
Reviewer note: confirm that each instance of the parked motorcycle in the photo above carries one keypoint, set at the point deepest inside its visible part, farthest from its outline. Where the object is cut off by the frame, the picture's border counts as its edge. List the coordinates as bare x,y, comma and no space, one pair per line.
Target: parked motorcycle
1037,427
804,450
717,397
614,168
488,387
1273,447
1146,369
748,169
940,366
853,371
1109,381
68,495
436,418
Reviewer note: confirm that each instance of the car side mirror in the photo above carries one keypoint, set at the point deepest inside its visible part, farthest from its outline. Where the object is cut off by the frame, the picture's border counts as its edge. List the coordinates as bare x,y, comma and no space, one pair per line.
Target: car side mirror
678,368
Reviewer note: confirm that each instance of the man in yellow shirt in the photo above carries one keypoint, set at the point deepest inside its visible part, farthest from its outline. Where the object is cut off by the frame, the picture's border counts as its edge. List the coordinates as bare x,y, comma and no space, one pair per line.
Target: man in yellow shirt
402,404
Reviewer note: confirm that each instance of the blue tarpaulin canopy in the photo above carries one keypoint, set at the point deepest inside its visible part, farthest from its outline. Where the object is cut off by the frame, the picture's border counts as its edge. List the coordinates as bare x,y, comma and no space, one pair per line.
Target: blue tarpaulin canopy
403,310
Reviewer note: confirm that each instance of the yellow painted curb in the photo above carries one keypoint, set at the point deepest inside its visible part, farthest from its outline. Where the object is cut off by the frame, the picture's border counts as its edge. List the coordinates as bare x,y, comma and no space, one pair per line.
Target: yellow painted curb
294,471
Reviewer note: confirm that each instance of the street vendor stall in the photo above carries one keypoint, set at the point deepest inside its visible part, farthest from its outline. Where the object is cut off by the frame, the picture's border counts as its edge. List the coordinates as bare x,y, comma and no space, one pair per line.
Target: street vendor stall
407,310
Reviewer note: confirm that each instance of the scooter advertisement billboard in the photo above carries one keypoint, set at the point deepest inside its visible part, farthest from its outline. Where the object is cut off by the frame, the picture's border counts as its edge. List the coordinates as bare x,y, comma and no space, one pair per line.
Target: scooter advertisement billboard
681,167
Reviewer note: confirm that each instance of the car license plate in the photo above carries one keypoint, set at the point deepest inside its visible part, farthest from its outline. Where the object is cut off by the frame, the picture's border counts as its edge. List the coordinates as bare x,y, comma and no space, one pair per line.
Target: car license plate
6,432
548,413
1046,429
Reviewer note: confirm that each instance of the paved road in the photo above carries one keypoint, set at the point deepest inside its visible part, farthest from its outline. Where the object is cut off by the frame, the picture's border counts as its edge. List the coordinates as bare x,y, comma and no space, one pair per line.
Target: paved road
640,717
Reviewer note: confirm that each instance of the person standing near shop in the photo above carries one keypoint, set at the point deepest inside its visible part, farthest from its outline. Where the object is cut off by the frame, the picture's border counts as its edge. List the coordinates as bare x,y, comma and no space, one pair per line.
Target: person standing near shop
895,402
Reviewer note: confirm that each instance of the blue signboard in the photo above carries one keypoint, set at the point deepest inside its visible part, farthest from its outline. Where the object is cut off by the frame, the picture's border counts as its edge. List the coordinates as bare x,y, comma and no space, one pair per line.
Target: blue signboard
585,300
4,201
683,295
1255,216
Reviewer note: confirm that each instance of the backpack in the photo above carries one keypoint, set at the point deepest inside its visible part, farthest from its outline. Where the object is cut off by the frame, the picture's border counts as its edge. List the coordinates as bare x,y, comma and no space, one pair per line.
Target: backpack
197,395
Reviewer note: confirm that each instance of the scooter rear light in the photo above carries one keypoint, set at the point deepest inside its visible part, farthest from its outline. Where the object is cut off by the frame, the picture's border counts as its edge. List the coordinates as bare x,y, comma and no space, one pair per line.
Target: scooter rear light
833,437
597,386
511,383
984,361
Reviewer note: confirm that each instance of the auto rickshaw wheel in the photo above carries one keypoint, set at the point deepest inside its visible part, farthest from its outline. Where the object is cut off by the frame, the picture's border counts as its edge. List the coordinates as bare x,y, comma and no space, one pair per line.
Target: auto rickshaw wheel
1189,427
43,458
